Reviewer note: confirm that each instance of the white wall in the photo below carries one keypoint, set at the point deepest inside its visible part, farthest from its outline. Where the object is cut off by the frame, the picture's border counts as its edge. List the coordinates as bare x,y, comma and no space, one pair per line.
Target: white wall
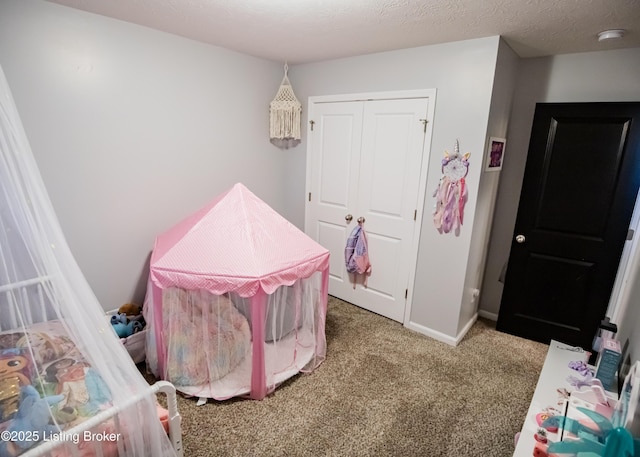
462,72
133,129
585,77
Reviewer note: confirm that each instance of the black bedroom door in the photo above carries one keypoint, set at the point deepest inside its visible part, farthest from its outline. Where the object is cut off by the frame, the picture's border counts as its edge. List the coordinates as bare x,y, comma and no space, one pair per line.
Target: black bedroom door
578,194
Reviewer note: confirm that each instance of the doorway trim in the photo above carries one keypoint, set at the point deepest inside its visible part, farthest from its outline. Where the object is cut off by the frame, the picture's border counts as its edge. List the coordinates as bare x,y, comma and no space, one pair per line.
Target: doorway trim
424,167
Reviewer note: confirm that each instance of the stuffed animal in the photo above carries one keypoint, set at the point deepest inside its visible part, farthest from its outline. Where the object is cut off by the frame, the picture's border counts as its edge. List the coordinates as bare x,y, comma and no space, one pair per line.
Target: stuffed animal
133,327
32,416
119,318
125,327
15,370
130,309
14,365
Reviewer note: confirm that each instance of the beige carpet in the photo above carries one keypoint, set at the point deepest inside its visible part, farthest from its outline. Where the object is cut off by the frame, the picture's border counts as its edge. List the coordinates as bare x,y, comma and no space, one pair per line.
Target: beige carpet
383,390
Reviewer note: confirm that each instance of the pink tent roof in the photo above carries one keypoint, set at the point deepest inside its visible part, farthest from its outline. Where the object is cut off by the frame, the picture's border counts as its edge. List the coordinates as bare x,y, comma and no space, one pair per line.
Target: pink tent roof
236,243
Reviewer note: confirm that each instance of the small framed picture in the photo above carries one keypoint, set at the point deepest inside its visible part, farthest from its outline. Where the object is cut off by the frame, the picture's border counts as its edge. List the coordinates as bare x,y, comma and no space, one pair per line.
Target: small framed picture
495,154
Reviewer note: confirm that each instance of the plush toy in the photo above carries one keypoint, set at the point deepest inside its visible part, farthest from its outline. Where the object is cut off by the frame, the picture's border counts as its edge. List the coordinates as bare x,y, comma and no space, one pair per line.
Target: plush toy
119,318
139,318
15,370
133,327
14,365
130,309
125,327
32,416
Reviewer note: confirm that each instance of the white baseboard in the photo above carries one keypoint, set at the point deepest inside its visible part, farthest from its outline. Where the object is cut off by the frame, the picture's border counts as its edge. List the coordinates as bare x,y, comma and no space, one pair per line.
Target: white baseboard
466,328
436,335
487,315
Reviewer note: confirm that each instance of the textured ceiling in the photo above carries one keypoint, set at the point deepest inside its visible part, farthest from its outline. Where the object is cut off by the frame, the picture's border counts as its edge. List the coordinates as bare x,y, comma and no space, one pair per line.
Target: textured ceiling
310,30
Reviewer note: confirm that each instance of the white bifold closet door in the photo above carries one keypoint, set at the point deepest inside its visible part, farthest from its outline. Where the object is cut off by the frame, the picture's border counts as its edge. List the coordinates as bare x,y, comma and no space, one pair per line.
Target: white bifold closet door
365,160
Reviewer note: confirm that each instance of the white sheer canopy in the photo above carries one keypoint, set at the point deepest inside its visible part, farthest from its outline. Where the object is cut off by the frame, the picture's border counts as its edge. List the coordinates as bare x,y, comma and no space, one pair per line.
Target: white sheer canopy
40,283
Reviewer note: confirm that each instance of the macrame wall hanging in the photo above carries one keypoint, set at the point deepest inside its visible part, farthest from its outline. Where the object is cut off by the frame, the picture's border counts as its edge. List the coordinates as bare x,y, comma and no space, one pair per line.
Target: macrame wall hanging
284,118
451,194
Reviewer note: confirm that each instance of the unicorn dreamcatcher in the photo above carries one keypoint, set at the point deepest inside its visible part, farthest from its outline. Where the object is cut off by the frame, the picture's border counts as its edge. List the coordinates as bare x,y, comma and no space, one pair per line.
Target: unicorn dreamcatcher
451,194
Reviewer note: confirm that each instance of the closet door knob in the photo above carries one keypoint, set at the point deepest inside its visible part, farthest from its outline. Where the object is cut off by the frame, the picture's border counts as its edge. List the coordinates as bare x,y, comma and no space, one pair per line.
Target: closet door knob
520,239
348,218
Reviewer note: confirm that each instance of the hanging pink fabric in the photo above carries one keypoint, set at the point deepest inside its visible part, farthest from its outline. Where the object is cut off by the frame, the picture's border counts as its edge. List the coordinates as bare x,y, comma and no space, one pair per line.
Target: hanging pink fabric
451,197
462,199
356,253
451,194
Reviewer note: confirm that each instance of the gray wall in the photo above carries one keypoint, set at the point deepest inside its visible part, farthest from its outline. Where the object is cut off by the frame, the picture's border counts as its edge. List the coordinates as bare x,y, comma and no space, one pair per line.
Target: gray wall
584,77
134,129
502,94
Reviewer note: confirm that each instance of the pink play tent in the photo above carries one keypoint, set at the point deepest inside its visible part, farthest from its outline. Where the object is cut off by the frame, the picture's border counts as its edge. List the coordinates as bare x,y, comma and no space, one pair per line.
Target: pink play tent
237,300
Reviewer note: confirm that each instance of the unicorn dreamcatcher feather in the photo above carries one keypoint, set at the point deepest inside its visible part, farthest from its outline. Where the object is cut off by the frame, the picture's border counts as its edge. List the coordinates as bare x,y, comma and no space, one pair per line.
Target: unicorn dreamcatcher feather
451,194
